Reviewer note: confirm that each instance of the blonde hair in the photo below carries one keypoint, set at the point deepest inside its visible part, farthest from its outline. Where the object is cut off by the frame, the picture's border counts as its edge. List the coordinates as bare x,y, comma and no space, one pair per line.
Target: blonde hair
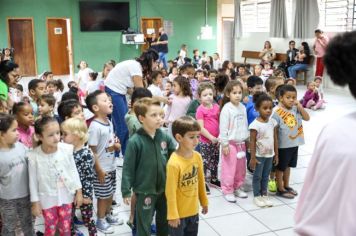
77,127
142,105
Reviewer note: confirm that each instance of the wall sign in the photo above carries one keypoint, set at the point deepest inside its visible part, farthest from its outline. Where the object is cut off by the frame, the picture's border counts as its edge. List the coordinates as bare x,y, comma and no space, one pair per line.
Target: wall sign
58,30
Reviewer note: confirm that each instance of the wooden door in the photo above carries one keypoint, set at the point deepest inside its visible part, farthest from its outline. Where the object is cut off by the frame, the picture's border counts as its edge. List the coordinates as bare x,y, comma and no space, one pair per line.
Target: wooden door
147,25
21,38
58,46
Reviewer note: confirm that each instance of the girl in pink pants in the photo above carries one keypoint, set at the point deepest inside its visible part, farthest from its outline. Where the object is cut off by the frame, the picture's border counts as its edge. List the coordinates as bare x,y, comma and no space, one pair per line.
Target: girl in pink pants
233,133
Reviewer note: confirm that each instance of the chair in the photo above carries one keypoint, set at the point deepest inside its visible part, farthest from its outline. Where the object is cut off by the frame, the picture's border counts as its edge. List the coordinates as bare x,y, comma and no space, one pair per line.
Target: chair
305,72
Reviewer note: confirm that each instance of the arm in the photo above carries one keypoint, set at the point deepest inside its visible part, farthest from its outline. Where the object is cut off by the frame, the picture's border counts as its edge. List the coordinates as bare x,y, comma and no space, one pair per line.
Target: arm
171,192
128,171
275,138
99,171
203,199
302,111
262,53
138,81
205,132
253,161
224,129
35,200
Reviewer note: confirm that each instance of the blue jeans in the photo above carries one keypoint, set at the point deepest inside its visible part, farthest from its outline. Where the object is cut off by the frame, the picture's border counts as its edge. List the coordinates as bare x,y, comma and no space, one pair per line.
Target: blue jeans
261,176
118,117
292,70
163,59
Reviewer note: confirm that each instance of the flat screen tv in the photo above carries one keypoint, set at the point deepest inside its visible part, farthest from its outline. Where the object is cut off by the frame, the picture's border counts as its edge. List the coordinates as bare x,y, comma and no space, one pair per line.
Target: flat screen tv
104,16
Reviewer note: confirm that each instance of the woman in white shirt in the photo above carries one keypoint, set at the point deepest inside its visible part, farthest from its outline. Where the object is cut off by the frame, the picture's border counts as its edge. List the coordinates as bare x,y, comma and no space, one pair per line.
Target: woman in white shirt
125,76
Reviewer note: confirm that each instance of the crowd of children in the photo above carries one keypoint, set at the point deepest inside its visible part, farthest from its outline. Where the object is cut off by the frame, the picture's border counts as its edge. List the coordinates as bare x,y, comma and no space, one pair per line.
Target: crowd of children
58,149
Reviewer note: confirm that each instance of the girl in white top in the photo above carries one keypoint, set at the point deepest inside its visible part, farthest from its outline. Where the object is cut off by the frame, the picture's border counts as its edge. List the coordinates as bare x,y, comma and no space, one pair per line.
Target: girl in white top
54,180
93,83
83,74
216,61
233,135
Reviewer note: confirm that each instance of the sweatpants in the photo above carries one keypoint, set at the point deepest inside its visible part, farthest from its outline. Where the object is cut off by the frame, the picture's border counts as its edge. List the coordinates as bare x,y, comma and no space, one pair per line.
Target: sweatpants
233,169
58,216
146,204
87,216
188,227
14,211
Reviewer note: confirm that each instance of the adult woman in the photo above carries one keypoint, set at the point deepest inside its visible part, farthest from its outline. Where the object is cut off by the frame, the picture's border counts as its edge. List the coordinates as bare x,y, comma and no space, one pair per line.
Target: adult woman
121,79
327,201
267,54
302,61
9,76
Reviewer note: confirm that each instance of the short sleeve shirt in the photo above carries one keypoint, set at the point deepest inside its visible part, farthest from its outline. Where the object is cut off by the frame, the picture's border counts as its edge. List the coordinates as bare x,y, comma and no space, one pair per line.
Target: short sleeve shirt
265,137
290,127
210,116
102,136
163,47
119,78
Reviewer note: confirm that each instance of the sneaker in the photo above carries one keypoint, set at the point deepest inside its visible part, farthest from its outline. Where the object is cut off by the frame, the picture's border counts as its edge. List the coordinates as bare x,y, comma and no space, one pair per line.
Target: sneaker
239,193
272,186
215,182
77,221
114,212
113,220
207,189
153,229
267,201
230,198
259,201
104,227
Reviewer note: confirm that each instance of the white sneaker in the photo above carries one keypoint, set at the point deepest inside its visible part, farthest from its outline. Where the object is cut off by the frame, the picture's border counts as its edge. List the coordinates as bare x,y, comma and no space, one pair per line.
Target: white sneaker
114,220
230,197
104,227
239,193
267,201
259,201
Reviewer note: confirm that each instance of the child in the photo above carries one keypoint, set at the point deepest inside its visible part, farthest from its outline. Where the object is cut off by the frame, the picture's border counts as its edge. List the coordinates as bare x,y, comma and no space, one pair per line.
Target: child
200,75
257,70
311,96
36,88
93,83
185,180
15,205
25,119
271,85
168,89
266,72
173,74
288,114
47,76
207,116
221,81
212,75
319,87
75,132
254,85
148,149
46,105
264,148
70,108
103,143
233,134
156,85
179,101
196,58
83,74
216,61
54,180
188,71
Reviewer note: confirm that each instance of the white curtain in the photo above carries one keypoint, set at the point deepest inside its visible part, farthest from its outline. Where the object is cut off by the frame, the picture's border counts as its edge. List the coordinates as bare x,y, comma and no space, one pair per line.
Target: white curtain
278,19
237,20
306,18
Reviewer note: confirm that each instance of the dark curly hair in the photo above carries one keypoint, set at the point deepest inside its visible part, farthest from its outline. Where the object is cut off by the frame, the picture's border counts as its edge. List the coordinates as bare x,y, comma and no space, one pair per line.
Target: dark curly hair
184,85
339,60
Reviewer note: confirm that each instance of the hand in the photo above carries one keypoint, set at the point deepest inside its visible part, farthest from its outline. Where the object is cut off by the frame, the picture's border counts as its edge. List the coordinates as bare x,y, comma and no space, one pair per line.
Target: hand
275,160
204,211
36,209
78,201
127,200
87,201
253,163
101,176
215,140
174,223
117,144
226,150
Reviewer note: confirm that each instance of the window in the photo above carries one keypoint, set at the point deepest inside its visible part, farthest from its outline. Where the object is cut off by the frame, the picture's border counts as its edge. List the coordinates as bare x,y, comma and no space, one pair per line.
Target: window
337,15
255,15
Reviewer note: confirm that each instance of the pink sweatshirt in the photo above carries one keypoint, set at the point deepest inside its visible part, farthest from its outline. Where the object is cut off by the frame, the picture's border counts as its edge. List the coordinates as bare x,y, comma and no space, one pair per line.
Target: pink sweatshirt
320,45
178,108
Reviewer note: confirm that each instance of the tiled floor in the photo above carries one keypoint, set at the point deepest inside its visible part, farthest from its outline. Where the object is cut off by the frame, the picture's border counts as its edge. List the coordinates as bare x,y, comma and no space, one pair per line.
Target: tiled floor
244,218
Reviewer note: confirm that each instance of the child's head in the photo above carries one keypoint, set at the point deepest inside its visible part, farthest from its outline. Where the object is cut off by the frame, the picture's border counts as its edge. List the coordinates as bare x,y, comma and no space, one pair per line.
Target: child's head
289,82
241,70
216,56
36,88
212,75
99,103
181,87
263,104
187,70
186,131
196,52
168,86
72,84
221,81
8,130
51,86
23,112
93,76
46,104
70,108
232,93
258,70
74,130
48,132
19,90
69,96
199,75
157,77
206,93
82,65
164,72
149,113
139,93
47,76
254,84
287,95
174,70
311,85
318,80
267,65
204,53
271,84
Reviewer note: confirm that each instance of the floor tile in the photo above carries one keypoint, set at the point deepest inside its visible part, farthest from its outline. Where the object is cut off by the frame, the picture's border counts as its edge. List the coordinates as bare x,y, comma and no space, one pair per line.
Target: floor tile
205,229
278,217
298,188
247,203
285,232
218,206
237,224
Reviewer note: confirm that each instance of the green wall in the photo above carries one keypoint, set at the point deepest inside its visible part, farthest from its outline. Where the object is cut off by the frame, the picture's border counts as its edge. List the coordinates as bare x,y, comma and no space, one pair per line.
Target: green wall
97,47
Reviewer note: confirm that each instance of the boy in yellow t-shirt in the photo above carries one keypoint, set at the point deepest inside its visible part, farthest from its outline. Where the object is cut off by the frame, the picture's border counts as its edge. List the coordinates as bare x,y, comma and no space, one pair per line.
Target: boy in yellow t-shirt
185,185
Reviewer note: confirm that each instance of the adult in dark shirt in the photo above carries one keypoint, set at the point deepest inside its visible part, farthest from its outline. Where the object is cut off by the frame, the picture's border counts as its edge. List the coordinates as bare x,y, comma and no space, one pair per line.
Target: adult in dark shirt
291,54
162,47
